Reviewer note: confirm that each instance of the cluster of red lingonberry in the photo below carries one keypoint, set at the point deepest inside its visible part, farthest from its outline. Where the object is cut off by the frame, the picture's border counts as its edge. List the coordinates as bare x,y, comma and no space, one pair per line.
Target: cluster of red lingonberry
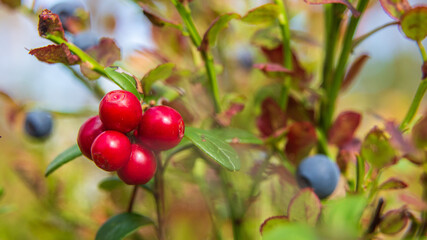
122,138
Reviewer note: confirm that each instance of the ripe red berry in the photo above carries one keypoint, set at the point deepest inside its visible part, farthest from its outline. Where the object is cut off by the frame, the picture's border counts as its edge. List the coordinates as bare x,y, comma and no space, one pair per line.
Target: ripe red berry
111,150
87,134
140,168
120,110
161,128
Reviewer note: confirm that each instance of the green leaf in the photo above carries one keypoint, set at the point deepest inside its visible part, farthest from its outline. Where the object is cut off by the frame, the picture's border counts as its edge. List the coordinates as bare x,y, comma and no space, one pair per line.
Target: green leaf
343,216
264,14
235,135
63,158
161,72
394,221
395,8
110,183
163,91
123,80
414,23
294,231
210,36
377,150
304,207
122,225
217,149
272,223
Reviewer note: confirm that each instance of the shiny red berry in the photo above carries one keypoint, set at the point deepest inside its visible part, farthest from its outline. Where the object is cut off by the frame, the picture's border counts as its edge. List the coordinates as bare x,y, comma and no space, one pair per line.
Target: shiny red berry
140,168
161,128
111,150
87,134
120,110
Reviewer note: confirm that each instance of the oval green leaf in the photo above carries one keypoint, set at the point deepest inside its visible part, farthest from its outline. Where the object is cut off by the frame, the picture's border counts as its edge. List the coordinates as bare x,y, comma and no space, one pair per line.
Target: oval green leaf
377,150
161,72
272,223
122,225
265,14
294,231
123,80
414,23
304,207
210,36
235,135
214,147
63,158
110,183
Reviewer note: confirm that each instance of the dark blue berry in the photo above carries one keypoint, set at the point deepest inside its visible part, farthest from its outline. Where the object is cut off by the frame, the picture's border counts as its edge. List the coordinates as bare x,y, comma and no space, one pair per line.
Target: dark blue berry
320,173
38,124
85,40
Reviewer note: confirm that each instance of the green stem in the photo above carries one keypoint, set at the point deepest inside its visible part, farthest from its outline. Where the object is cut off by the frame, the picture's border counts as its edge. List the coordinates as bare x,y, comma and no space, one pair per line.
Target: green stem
159,196
422,87
287,52
323,143
92,63
132,198
360,39
342,62
185,14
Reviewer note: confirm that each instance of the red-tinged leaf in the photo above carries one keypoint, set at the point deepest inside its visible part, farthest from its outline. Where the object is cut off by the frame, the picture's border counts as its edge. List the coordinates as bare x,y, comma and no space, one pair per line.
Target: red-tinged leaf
49,23
352,146
296,111
272,67
272,118
273,222
419,133
345,2
225,117
210,36
377,150
354,70
304,207
11,3
301,74
274,55
424,70
393,183
394,221
395,8
55,54
157,20
415,202
106,53
414,23
264,14
301,139
343,129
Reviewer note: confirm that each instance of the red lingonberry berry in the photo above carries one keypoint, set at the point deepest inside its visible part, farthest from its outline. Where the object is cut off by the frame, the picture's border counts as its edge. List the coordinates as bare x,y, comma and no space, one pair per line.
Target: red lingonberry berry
111,150
120,110
87,134
161,128
140,168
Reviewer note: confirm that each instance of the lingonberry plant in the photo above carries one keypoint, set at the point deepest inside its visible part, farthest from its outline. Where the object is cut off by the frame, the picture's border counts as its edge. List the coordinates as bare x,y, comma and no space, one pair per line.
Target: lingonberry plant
262,145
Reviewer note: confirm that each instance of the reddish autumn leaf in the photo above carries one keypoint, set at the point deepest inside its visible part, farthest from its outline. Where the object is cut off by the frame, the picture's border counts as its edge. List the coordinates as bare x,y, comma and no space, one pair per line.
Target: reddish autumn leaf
296,111
272,117
301,139
272,67
274,55
414,201
225,117
395,8
345,2
392,184
49,23
354,70
305,207
343,129
55,54
397,139
273,222
106,53
352,146
157,20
